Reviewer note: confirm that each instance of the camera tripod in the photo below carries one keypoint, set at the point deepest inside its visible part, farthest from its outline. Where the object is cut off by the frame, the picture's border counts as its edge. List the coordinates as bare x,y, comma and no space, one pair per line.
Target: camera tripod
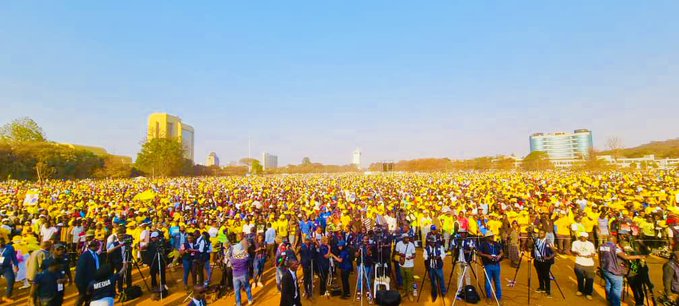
531,260
438,288
362,278
455,260
135,263
158,259
485,273
646,287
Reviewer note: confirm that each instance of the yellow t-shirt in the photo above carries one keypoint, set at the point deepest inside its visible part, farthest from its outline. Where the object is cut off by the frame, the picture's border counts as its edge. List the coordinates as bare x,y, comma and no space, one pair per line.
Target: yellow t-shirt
563,226
494,226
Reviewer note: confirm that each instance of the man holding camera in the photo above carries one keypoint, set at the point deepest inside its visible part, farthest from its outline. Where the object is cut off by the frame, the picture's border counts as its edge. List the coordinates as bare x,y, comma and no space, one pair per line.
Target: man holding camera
156,259
463,248
119,253
491,253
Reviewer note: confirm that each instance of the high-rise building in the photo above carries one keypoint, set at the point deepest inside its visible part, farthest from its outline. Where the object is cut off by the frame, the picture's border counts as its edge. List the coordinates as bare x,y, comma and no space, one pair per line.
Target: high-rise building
212,159
356,161
269,161
576,145
163,125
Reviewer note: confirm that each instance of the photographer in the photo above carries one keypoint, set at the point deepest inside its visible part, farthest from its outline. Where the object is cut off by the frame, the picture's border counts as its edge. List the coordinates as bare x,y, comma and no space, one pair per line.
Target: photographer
544,253
203,259
433,260
491,253
462,248
156,259
119,253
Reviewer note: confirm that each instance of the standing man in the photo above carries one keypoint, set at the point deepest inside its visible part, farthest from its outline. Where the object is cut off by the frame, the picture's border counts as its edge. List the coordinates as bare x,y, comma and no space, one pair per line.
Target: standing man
270,239
491,253
156,260
290,295
88,264
406,251
543,252
239,262
60,257
584,252
307,254
433,260
35,262
9,266
462,247
345,265
610,267
118,255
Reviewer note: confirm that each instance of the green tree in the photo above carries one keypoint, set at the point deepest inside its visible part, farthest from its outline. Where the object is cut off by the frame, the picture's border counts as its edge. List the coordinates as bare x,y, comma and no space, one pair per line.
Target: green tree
306,161
161,157
537,160
22,130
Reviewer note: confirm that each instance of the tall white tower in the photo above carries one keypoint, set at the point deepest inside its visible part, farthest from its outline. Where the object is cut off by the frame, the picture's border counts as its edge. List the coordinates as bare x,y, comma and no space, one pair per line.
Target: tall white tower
356,161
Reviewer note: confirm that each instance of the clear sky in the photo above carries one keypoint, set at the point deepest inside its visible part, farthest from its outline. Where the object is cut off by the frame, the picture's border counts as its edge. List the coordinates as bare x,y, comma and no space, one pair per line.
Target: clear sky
399,79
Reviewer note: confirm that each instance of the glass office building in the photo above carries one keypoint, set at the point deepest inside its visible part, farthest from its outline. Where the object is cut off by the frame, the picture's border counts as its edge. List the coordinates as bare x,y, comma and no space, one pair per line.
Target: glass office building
561,145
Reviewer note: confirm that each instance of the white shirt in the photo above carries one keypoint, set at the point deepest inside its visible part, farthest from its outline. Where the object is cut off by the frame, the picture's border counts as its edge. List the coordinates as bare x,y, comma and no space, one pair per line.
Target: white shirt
76,234
391,223
409,251
585,248
213,231
47,232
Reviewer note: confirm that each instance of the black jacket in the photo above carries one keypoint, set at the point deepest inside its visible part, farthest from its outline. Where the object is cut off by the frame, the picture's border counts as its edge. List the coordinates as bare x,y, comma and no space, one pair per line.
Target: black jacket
85,270
290,295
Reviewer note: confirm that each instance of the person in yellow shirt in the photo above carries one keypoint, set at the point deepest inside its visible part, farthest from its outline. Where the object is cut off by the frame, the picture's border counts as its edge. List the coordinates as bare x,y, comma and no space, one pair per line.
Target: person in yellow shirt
563,233
282,228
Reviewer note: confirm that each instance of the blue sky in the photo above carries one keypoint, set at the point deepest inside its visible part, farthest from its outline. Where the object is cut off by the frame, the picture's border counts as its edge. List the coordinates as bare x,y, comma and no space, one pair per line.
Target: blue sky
399,79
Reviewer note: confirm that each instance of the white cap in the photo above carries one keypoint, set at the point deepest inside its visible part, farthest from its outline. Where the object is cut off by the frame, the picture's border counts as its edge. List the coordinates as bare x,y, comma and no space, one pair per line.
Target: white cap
584,234
154,234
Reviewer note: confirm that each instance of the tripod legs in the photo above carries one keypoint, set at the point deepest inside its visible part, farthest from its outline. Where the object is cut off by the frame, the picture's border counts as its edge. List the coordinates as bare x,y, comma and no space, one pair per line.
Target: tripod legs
426,272
557,284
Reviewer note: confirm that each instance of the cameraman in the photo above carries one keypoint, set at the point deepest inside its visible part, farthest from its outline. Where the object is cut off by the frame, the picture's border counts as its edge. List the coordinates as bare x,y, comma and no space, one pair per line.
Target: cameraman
462,248
544,253
155,251
433,260
119,253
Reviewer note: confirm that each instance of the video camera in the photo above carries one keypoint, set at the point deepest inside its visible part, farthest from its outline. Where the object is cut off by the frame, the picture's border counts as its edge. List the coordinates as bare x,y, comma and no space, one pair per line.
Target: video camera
126,240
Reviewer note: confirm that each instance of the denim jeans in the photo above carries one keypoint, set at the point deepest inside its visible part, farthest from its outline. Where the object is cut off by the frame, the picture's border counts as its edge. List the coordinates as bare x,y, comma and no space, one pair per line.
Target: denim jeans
436,276
585,277
188,265
9,275
368,272
493,274
241,282
613,288
259,267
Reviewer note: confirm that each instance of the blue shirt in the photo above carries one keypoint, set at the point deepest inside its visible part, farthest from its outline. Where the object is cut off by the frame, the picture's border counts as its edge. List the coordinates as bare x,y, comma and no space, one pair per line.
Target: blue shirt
270,236
9,255
305,227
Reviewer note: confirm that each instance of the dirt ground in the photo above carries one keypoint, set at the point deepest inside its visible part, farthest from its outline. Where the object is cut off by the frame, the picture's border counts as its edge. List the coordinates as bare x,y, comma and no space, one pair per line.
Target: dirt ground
517,295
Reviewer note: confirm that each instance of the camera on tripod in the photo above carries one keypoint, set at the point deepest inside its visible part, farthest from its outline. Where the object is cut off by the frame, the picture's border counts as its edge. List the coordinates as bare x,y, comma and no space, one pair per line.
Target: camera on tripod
127,240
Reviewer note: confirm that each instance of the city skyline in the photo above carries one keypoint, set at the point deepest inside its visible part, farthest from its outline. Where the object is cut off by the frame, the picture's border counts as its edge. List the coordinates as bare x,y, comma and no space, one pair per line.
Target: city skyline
399,80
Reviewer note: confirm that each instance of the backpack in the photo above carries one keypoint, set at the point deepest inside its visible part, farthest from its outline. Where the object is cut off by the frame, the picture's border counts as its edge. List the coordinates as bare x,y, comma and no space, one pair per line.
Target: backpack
470,295
131,293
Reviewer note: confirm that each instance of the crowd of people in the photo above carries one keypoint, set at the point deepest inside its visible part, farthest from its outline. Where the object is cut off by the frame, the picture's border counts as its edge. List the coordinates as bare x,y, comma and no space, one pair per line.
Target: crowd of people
339,228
